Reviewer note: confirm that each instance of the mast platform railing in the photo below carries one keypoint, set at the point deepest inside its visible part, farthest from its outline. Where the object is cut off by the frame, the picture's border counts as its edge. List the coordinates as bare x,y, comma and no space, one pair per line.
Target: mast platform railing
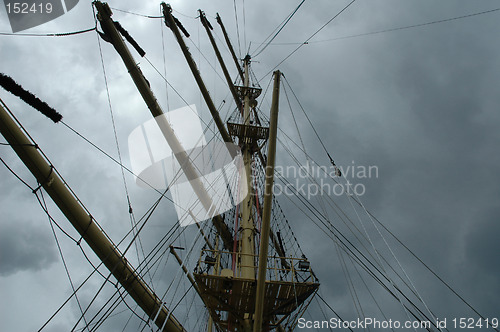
298,269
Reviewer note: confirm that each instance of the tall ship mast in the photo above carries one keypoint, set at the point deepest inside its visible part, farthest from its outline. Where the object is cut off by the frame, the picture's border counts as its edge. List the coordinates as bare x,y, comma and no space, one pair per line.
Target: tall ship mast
243,287
245,266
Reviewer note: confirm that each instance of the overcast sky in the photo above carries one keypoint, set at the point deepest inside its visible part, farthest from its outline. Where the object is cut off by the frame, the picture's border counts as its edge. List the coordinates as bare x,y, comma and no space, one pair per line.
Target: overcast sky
420,104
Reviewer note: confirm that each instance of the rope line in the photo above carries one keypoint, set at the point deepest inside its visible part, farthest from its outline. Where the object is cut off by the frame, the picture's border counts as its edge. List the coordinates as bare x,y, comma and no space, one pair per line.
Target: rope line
329,307
55,34
389,30
16,175
237,28
95,267
310,37
344,268
136,14
279,28
406,27
304,201
62,258
356,200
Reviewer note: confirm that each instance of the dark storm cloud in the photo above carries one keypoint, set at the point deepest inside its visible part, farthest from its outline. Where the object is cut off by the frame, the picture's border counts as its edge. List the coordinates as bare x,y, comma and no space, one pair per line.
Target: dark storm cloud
25,248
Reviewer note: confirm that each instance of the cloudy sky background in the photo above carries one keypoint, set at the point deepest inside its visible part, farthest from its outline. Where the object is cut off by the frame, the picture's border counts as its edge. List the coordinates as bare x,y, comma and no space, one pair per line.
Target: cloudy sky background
421,104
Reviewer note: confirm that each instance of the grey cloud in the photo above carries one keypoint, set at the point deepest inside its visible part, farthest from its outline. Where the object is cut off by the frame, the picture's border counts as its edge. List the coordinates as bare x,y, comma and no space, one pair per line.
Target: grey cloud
25,247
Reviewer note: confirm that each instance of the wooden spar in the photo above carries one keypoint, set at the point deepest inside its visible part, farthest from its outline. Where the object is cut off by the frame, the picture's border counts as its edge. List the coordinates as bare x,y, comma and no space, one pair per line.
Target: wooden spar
69,205
210,322
104,16
230,46
230,84
170,22
212,313
184,269
268,201
247,264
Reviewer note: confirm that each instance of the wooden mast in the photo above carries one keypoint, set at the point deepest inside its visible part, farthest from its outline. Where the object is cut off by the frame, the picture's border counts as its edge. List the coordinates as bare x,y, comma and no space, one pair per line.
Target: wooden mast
268,202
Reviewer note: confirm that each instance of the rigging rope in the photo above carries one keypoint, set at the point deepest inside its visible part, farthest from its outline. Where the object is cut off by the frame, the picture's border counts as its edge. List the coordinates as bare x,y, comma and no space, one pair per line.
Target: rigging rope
157,251
428,268
180,96
368,289
279,28
57,34
62,258
390,29
237,28
349,249
329,307
361,263
329,225
137,14
95,268
179,270
333,164
310,37
359,202
394,256
16,175
309,206
138,269
406,27
337,170
245,26
413,291
164,63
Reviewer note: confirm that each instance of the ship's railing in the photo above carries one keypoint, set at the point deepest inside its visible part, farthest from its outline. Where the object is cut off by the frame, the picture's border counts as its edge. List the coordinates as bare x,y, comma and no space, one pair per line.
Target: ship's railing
226,263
